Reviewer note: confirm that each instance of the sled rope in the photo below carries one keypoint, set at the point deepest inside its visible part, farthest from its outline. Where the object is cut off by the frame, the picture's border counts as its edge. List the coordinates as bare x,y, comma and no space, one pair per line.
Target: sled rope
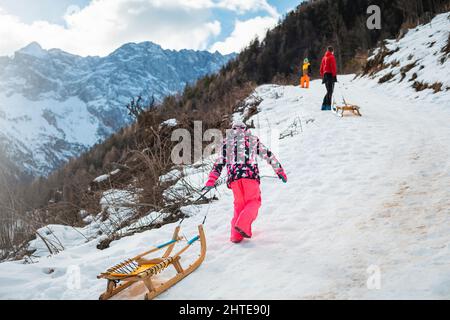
197,200
269,177
209,207
340,110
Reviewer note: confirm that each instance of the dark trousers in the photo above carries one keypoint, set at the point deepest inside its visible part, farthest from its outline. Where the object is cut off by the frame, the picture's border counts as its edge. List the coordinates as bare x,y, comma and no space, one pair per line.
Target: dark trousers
329,81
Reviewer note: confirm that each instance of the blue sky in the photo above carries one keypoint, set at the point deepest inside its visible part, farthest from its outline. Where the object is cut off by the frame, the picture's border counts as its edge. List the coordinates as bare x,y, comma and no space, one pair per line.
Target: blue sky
88,27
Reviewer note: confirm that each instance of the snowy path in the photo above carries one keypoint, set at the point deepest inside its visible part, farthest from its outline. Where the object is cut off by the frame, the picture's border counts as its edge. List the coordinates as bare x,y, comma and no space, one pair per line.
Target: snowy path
362,191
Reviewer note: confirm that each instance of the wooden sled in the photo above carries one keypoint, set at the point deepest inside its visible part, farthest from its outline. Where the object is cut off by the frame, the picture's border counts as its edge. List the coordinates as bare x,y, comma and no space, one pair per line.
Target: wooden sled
340,110
138,269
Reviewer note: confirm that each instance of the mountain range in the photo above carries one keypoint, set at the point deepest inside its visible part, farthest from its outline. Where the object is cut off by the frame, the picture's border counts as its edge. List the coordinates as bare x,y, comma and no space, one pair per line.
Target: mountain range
55,105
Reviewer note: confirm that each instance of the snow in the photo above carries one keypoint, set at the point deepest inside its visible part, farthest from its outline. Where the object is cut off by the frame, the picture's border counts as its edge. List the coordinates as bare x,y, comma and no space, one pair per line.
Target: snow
190,176
58,238
105,177
172,175
34,49
422,47
170,123
367,191
363,194
116,210
54,105
101,178
117,204
34,126
25,121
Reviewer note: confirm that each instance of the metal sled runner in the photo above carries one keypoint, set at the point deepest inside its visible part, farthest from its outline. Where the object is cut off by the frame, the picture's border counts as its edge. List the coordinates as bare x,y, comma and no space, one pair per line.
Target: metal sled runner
138,269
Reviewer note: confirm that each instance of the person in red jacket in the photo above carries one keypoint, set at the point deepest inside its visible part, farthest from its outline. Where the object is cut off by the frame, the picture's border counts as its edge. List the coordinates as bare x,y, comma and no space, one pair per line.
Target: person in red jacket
328,72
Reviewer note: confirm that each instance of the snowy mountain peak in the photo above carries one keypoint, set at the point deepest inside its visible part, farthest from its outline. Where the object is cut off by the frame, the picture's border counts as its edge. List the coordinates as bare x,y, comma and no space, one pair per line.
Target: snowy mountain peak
147,46
46,97
34,49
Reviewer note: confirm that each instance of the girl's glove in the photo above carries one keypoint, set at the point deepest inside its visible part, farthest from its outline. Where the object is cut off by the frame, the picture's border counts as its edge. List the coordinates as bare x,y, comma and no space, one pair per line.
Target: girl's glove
281,174
211,181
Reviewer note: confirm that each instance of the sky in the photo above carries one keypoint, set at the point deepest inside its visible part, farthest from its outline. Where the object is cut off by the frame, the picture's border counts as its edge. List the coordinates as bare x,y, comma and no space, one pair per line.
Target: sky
98,27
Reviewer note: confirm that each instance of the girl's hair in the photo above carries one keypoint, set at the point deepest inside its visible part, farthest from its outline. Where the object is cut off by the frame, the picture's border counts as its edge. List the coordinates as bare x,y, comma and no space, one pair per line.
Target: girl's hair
330,48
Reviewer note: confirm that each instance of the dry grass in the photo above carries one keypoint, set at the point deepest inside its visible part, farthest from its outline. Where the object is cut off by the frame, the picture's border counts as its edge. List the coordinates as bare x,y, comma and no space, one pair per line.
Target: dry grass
386,78
420,86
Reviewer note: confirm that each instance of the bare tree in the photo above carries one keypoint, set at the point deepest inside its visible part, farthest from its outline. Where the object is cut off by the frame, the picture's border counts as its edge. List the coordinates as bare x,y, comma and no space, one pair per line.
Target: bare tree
136,106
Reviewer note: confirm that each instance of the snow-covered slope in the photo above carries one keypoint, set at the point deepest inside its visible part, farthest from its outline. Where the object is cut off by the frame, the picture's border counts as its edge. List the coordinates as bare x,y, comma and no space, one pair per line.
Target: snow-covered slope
53,104
364,195
362,192
419,60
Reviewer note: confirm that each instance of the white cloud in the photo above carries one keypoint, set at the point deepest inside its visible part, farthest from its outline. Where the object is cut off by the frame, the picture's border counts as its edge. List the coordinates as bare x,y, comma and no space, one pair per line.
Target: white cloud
243,6
244,32
104,25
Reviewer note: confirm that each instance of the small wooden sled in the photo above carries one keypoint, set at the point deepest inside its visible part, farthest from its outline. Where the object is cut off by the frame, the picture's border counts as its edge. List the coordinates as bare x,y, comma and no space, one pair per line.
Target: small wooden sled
340,110
138,269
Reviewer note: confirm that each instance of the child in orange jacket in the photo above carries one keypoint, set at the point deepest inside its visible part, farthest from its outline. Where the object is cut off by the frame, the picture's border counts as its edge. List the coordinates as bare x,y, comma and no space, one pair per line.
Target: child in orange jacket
304,81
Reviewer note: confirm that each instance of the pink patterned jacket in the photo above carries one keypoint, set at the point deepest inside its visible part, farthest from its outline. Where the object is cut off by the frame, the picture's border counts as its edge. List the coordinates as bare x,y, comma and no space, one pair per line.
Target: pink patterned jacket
240,150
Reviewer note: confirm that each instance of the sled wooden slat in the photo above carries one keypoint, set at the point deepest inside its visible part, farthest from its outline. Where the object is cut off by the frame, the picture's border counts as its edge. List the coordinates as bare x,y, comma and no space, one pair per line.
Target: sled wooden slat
181,274
350,108
123,275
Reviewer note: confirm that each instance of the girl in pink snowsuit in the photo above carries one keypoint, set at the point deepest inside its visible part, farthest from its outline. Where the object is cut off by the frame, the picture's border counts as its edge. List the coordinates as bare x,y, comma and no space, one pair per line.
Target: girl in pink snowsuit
239,153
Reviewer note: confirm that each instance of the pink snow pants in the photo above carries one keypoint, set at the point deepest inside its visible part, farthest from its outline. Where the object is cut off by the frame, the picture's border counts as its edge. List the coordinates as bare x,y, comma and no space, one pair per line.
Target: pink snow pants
247,201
